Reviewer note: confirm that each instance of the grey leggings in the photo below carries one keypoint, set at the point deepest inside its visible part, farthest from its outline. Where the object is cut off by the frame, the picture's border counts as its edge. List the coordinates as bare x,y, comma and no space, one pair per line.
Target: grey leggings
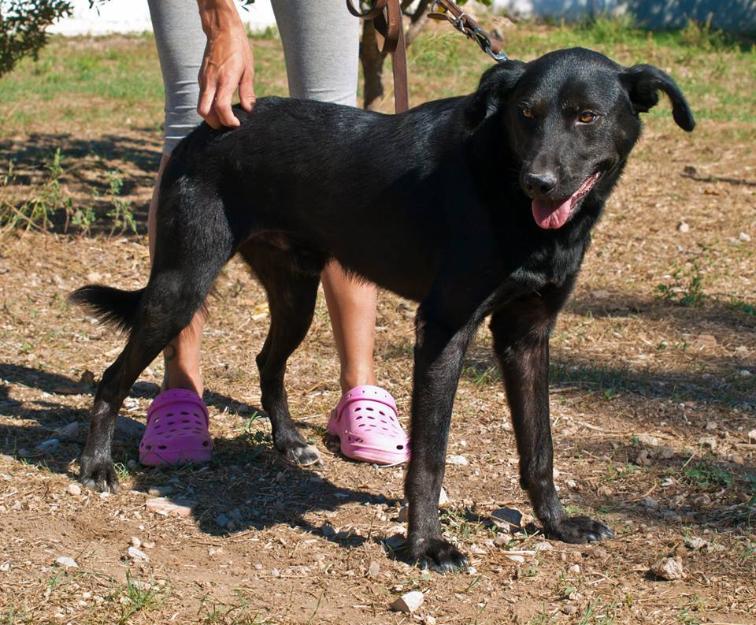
320,40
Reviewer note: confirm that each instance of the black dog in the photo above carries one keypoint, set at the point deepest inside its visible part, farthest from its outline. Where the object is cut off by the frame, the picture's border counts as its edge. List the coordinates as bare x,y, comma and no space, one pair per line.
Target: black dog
473,206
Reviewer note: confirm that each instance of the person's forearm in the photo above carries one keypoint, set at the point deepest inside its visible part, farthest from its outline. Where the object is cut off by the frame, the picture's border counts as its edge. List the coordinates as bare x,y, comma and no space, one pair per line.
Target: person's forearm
218,16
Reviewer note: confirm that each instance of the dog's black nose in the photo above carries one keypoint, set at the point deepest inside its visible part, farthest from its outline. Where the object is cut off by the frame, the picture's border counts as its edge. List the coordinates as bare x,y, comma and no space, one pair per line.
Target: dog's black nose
540,183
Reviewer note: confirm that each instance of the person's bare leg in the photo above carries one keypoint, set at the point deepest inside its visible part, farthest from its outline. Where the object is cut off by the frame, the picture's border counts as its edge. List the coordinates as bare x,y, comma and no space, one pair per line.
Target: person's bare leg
182,356
351,306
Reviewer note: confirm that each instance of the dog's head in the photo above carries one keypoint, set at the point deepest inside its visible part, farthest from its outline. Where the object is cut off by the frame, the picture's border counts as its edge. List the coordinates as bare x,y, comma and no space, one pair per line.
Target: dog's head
570,118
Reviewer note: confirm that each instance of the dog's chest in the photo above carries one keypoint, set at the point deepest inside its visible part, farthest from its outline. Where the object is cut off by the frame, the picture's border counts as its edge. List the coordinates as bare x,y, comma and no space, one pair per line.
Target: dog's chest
551,264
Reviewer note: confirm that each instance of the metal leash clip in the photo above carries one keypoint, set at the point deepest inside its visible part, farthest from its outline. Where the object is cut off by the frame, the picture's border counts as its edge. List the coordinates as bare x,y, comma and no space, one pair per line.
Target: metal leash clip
442,10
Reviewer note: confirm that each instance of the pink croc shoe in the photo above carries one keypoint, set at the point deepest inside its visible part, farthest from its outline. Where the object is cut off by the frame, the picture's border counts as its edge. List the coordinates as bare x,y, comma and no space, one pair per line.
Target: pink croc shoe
177,430
366,424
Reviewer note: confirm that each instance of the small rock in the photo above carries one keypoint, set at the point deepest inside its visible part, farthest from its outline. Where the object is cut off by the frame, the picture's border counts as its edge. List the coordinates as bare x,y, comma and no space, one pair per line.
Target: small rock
395,542
571,484
471,570
87,378
160,491
129,428
569,609
403,514
667,481
509,516
373,569
744,373
66,562
443,498
5,567
135,542
68,432
148,544
501,540
160,505
74,489
429,619
683,227
408,602
711,425
647,439
137,554
744,236
515,557
574,568
650,503
644,458
132,465
695,543
668,569
48,446
752,436
458,460
24,453
665,453
328,531
709,442
543,546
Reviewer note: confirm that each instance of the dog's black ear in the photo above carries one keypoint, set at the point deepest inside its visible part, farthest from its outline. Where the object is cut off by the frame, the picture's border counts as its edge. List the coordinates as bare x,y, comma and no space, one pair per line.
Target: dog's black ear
643,83
494,85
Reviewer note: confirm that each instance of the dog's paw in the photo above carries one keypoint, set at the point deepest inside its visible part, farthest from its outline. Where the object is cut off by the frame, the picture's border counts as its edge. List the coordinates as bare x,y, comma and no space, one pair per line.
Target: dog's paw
302,455
98,475
579,529
438,555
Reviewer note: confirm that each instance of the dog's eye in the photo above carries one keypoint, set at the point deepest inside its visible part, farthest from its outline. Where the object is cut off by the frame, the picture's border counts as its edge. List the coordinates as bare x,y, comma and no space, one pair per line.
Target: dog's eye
527,113
587,117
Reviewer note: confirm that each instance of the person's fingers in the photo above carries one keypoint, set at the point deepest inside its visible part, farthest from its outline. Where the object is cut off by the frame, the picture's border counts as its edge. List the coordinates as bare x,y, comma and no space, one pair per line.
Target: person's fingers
247,91
205,103
222,105
212,120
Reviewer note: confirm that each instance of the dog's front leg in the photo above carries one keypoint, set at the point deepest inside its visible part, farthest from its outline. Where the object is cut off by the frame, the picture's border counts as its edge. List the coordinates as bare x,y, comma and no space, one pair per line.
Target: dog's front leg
521,342
439,351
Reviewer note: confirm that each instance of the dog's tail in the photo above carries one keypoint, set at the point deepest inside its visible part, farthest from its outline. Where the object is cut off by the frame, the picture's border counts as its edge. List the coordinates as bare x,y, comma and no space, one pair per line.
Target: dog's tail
112,306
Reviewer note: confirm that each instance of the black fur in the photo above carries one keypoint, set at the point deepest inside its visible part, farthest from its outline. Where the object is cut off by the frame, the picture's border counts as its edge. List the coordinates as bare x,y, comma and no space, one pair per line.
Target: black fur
437,204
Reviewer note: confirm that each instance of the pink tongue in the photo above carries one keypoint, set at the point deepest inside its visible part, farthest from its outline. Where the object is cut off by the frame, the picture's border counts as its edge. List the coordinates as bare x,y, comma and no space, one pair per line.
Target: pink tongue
552,215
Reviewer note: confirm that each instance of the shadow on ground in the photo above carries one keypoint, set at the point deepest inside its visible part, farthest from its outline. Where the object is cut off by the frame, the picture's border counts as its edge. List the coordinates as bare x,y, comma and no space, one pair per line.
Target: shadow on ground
250,479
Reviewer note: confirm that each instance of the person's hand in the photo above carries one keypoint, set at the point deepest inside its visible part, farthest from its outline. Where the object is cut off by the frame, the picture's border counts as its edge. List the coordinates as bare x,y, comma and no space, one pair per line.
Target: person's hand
226,66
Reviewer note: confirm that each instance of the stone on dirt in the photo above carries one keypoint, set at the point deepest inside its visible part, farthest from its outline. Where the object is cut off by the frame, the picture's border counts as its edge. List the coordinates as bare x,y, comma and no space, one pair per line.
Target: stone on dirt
74,489
458,460
408,602
507,516
164,507
443,498
66,562
695,543
129,428
137,554
668,569
48,446
69,432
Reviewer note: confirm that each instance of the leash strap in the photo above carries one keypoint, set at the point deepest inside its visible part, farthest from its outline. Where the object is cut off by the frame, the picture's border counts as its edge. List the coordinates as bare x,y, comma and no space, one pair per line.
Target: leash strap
387,17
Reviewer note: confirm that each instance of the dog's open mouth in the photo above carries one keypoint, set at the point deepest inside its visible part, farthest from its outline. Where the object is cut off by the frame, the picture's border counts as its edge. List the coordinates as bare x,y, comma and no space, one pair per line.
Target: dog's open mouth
553,214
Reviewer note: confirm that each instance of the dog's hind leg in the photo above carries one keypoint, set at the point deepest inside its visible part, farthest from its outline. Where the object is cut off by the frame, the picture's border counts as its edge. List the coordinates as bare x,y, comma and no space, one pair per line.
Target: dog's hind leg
181,278
292,293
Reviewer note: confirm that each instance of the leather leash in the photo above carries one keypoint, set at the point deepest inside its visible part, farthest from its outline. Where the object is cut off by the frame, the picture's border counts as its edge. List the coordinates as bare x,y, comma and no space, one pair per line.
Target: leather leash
387,17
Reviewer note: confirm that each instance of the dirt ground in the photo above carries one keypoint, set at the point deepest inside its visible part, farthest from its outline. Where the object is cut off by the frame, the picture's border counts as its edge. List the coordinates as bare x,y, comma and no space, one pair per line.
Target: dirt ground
653,366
